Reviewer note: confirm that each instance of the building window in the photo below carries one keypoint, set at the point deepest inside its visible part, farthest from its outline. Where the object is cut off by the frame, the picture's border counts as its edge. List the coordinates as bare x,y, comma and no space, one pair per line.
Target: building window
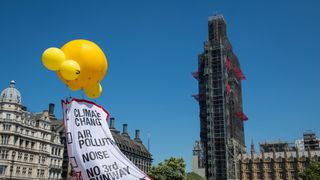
18,170
15,140
42,173
31,158
3,169
269,166
282,175
4,154
27,144
6,127
248,175
24,171
21,143
19,155
38,172
291,166
29,171
5,139
26,157
8,116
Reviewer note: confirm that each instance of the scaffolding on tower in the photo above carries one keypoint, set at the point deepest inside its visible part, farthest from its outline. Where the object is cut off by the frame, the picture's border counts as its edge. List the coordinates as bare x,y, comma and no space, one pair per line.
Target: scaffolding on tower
237,71
195,75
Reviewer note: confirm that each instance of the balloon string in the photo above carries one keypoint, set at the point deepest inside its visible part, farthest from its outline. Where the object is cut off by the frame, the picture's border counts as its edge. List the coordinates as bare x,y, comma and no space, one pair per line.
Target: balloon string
69,93
82,94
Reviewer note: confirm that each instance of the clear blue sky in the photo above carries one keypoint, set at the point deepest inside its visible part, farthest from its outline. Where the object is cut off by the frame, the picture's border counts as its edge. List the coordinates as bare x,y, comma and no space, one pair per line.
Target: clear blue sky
152,47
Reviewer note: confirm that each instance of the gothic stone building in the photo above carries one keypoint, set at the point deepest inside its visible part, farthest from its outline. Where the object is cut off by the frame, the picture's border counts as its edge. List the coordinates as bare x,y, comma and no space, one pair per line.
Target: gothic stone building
277,161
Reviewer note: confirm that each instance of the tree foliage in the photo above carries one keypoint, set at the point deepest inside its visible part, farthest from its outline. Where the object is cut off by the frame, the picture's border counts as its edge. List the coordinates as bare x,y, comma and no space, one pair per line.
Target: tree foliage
173,169
194,176
312,172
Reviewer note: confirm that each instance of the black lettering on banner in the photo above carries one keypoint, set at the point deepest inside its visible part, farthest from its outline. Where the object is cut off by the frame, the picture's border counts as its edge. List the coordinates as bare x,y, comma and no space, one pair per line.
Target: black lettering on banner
87,133
80,135
127,169
101,177
109,168
114,172
93,142
87,117
84,134
87,121
87,113
91,172
76,121
93,155
76,112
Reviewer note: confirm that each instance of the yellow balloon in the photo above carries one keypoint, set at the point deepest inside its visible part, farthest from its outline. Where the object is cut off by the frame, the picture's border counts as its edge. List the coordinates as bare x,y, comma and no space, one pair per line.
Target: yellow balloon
70,70
91,59
52,58
72,88
93,91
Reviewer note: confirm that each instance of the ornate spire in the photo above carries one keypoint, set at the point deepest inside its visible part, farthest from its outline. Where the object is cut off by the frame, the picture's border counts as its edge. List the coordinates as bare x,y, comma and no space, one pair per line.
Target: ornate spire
252,147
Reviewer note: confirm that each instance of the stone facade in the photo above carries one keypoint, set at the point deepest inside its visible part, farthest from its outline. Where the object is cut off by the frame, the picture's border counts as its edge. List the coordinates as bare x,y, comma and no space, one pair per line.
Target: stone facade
282,162
29,148
197,160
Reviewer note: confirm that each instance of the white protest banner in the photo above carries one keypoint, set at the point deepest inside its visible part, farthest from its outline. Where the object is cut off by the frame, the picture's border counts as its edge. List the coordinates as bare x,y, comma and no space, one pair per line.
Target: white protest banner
93,153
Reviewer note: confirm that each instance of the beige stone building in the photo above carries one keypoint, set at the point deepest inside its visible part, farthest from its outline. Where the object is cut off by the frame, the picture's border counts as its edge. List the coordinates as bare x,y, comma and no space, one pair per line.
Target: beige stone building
197,159
29,147
277,161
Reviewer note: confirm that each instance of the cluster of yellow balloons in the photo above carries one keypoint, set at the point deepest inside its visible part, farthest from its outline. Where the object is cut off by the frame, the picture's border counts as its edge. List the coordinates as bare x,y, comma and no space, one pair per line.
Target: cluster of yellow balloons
80,64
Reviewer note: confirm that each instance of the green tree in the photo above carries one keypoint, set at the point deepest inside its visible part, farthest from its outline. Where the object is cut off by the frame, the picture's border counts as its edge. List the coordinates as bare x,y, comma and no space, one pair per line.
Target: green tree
173,169
312,172
194,176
